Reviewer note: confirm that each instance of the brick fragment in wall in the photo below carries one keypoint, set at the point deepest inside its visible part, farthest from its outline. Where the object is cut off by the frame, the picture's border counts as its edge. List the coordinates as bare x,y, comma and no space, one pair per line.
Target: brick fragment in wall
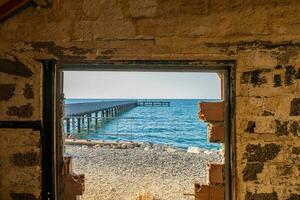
24,111
295,107
251,170
258,153
261,196
294,197
250,127
15,68
7,91
22,196
296,150
25,159
281,128
255,77
277,80
28,91
295,128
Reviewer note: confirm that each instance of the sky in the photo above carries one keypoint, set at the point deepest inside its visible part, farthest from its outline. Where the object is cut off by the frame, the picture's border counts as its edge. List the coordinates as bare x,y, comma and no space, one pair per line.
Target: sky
141,85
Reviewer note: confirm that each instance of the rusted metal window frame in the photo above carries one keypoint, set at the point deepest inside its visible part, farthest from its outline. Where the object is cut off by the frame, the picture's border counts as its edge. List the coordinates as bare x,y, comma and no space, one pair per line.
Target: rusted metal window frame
227,67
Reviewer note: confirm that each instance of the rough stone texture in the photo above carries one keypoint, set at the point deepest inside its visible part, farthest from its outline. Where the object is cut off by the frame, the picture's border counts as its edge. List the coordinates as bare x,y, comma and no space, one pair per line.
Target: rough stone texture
285,169
294,197
28,91
263,38
277,80
251,170
25,159
22,196
255,77
296,150
295,107
15,68
6,91
258,153
261,196
295,128
24,111
250,127
20,164
281,128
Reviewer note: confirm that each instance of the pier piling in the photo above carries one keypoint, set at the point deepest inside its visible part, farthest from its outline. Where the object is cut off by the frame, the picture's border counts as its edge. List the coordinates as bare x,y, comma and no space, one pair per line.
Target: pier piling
78,113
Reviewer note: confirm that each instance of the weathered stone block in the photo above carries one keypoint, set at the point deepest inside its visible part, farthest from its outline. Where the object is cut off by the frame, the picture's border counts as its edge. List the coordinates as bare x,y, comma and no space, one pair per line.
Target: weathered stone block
251,127
277,80
251,170
28,91
24,111
295,107
22,196
261,196
256,77
6,91
281,128
142,8
259,153
290,75
25,159
281,174
15,68
249,106
296,150
294,197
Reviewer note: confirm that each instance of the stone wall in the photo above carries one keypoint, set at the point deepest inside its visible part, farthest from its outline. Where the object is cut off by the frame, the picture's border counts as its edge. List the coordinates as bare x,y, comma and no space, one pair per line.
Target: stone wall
267,118
262,36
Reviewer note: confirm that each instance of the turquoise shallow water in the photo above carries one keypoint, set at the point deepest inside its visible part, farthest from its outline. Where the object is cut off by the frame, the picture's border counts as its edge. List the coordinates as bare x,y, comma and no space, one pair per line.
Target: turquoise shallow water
177,125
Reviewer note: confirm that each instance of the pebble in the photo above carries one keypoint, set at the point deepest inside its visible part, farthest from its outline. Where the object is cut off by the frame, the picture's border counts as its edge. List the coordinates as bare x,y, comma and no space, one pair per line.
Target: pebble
131,171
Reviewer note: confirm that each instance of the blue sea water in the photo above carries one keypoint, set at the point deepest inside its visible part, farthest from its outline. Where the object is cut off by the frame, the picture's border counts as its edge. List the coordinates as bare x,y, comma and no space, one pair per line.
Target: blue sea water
177,125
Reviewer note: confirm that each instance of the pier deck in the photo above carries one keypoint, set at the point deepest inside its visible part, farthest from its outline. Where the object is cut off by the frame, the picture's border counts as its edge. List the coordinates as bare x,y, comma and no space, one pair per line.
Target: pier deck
80,116
153,103
79,109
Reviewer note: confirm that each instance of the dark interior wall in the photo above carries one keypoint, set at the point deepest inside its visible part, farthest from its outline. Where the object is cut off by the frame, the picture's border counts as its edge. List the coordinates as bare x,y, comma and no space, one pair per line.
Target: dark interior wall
261,36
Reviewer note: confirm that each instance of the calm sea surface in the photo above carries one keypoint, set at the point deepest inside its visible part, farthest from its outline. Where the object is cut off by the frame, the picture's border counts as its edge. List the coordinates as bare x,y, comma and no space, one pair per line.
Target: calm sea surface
177,125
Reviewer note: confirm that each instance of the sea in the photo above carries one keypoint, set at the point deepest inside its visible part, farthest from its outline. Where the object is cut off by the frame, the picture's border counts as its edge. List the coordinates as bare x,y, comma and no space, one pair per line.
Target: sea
177,125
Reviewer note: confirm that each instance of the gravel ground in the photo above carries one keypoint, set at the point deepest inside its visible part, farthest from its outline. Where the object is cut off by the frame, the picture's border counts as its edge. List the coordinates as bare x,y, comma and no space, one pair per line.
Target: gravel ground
122,174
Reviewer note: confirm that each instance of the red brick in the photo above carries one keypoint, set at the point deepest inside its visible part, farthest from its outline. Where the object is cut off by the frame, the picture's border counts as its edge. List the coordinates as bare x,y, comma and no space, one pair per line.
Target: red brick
216,173
209,192
216,133
211,111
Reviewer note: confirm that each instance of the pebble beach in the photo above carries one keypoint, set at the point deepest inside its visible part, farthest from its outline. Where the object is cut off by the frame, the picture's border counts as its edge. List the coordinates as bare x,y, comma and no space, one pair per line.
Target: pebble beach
122,172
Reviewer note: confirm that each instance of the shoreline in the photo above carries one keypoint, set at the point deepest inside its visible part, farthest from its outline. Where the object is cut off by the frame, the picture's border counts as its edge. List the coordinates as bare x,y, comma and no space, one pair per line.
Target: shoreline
117,173
132,145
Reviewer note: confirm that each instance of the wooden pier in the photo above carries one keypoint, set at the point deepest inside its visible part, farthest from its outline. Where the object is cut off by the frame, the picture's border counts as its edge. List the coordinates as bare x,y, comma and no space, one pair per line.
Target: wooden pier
84,117
79,116
153,103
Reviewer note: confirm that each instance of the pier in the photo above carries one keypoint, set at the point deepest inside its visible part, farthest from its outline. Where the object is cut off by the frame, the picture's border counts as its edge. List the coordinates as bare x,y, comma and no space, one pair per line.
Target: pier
153,103
79,116
83,117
